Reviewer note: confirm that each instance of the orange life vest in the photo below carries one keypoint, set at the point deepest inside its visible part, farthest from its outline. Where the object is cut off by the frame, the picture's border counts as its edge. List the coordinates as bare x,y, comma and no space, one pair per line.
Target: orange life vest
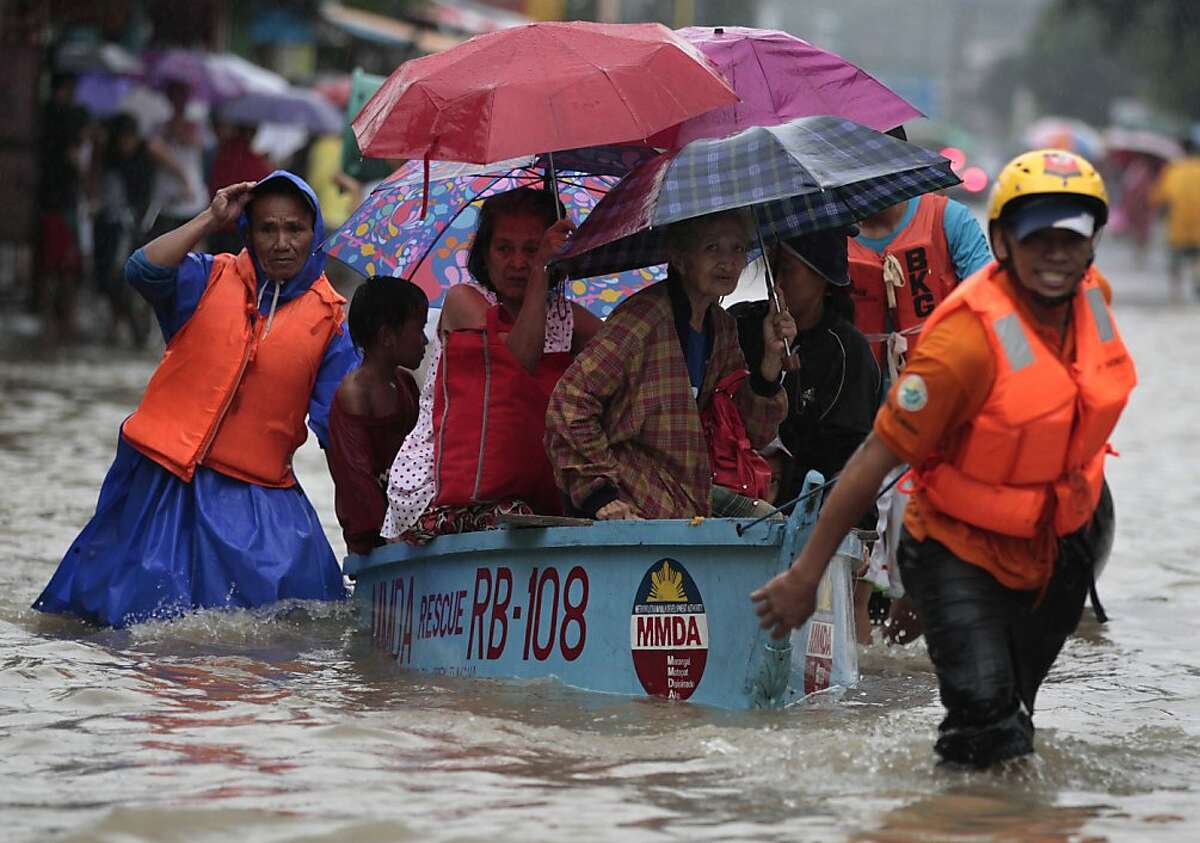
228,398
1035,452
928,277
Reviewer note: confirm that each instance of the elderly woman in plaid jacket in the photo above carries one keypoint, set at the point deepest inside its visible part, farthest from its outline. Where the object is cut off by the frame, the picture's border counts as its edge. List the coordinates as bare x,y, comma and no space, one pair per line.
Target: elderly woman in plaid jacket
623,429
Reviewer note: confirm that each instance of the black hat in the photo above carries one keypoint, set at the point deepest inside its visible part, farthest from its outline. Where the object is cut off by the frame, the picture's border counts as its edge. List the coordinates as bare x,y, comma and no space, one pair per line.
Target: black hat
825,252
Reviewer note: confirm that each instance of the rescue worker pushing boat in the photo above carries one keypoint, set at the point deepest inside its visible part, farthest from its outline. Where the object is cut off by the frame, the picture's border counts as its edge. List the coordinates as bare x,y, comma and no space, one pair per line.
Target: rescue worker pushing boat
1004,411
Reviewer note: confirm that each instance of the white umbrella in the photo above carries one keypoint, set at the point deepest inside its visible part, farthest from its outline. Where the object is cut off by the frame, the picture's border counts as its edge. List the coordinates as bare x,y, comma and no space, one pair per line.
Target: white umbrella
1145,141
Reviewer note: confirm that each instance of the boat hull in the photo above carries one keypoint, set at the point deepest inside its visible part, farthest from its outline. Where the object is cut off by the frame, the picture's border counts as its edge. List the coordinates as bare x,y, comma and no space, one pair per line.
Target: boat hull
637,608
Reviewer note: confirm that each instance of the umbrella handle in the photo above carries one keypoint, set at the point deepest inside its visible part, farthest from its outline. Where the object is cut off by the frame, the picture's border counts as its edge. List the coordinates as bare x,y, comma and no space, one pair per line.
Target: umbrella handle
425,190
790,361
558,209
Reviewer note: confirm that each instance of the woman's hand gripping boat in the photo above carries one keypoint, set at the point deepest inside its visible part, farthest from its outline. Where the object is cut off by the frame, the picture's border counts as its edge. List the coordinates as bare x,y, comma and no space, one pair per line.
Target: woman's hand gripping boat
638,608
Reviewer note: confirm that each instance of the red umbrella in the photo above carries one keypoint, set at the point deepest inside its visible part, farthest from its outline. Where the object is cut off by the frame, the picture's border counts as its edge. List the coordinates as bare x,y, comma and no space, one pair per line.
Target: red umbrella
336,89
539,88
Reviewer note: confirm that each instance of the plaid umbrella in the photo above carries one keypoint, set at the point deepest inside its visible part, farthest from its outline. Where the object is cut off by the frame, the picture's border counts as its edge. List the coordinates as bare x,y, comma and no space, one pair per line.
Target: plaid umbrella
806,175
387,234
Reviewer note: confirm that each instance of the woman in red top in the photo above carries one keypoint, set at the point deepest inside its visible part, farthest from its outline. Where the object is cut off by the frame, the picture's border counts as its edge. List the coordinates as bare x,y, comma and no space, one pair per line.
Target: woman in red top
376,405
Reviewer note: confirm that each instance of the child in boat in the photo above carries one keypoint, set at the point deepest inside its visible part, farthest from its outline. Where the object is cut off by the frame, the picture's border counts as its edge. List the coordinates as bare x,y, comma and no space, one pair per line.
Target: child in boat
375,407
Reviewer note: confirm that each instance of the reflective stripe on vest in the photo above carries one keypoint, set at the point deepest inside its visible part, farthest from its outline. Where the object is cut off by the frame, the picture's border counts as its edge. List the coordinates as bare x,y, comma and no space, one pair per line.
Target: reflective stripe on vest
1104,326
1014,342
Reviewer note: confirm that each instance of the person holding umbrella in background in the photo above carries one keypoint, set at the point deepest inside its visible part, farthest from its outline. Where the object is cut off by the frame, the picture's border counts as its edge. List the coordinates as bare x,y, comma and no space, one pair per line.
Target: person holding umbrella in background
833,393
126,182
177,147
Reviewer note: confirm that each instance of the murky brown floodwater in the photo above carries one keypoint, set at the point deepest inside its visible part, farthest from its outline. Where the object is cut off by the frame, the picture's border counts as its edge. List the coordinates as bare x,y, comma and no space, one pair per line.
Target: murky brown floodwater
285,726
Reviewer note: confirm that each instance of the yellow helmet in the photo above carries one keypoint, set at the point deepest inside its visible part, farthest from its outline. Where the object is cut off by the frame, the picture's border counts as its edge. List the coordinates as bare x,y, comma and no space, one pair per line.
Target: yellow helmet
1048,171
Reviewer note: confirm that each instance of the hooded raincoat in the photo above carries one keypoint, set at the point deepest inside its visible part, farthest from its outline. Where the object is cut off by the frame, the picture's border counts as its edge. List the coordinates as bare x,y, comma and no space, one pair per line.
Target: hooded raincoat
159,545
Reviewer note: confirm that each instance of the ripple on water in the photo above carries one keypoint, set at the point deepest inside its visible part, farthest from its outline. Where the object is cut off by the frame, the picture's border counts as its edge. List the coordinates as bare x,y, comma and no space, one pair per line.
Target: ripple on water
284,725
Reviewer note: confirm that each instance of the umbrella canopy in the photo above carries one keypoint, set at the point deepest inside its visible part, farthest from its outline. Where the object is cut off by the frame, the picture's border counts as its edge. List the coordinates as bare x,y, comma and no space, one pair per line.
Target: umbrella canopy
387,235
539,88
291,107
778,77
805,175
335,88
1142,141
1065,133
104,95
101,92
213,77
85,57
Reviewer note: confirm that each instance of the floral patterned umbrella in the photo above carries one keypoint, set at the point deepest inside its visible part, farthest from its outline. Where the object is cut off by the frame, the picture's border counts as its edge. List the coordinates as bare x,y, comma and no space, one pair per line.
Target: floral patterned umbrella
387,234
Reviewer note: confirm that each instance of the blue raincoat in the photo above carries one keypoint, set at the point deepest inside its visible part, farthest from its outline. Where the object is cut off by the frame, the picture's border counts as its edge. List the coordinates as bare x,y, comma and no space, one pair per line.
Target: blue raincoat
158,546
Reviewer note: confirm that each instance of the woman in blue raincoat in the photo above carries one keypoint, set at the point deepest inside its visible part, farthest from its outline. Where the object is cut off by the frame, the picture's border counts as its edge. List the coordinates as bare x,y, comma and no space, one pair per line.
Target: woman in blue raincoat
200,507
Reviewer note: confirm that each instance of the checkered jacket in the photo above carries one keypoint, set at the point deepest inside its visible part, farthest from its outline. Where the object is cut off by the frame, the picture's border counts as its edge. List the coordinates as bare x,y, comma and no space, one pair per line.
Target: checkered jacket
623,420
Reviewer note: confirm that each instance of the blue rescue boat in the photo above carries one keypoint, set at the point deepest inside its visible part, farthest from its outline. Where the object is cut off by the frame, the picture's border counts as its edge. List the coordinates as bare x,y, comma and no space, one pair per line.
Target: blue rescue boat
638,608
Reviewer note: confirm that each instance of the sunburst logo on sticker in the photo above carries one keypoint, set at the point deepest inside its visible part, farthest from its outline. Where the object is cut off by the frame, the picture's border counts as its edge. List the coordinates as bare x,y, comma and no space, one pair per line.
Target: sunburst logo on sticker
666,586
668,631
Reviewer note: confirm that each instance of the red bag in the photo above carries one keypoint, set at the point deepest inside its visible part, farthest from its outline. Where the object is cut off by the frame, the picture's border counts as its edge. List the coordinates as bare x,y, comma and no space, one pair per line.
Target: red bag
735,465
489,418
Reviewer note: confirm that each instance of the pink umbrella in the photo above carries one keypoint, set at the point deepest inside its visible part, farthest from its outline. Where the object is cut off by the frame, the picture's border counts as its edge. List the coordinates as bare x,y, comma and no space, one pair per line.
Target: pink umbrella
779,77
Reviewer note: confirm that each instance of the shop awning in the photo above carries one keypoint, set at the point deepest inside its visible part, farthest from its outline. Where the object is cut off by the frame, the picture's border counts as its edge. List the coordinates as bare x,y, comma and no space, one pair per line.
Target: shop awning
381,29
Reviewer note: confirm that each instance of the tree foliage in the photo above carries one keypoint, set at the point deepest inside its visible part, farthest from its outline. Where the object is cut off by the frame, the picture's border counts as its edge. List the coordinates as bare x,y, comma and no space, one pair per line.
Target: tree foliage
1157,39
1068,68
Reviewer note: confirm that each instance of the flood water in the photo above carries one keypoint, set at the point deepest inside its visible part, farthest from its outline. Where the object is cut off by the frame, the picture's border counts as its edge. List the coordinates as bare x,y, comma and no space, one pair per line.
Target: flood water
284,725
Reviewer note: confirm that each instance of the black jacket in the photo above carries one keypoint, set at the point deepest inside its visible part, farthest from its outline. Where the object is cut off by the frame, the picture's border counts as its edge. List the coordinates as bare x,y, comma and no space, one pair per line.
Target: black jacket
832,398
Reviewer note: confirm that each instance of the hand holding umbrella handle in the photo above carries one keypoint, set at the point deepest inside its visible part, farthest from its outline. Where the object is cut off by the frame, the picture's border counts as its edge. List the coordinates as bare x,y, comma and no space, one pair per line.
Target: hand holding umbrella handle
779,329
553,242
791,360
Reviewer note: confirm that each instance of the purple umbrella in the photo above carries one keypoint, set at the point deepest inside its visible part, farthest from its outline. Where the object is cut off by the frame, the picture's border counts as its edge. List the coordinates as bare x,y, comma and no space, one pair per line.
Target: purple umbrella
101,92
213,77
292,107
779,77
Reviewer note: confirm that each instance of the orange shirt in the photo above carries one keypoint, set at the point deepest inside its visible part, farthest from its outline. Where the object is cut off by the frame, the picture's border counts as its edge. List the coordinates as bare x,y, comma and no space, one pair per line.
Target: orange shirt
955,361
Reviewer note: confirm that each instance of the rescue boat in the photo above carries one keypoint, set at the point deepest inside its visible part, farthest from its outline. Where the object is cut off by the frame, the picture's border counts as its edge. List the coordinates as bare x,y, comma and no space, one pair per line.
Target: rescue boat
638,608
